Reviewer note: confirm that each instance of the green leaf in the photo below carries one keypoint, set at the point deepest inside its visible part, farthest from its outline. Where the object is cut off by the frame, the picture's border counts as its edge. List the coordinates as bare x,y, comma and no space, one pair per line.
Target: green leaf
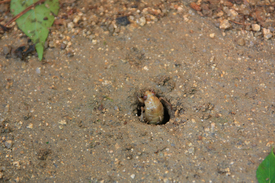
36,22
266,170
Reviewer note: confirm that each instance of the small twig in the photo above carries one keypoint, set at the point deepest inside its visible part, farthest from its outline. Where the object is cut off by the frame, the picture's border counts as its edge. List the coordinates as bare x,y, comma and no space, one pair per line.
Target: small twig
238,23
23,12
5,1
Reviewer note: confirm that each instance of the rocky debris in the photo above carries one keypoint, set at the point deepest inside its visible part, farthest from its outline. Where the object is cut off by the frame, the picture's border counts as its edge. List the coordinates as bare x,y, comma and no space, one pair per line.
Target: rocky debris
109,16
247,15
91,20
115,17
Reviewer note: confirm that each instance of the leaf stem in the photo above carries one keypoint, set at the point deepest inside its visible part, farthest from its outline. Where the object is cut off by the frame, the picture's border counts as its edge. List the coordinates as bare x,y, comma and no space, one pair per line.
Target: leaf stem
24,11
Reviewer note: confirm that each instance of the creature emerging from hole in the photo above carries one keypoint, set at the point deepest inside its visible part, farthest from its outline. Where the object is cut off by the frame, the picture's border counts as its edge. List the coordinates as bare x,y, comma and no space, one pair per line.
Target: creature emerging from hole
153,110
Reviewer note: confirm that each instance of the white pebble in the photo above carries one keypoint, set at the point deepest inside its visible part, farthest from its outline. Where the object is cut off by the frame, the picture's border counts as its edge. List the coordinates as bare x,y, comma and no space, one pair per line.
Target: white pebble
94,41
145,68
225,24
256,27
70,25
30,126
38,70
142,21
76,19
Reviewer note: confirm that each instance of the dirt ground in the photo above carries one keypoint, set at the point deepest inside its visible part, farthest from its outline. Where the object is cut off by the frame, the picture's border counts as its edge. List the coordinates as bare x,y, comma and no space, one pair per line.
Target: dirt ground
76,118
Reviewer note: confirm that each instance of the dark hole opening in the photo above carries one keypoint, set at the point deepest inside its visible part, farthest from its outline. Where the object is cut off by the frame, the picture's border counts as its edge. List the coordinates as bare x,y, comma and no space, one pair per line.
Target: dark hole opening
166,113
139,109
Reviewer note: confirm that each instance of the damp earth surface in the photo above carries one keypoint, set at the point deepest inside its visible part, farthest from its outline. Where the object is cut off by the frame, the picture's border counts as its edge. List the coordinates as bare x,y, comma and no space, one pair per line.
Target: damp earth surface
74,117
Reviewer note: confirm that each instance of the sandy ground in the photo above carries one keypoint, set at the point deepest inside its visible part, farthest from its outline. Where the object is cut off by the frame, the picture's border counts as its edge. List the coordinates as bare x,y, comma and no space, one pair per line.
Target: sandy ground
75,119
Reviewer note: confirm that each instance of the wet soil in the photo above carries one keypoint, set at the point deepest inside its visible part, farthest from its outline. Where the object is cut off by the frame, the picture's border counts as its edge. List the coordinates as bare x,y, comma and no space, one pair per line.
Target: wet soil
75,118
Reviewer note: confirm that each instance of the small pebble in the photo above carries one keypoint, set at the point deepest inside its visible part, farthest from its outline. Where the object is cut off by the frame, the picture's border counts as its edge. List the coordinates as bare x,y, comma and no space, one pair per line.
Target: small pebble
69,53
212,127
17,179
145,68
256,27
122,21
7,108
111,28
38,70
191,150
232,13
69,44
62,46
212,35
142,21
220,14
16,163
62,122
133,176
180,9
30,126
267,33
91,37
225,24
258,34
94,41
76,19
70,25
8,144
51,44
